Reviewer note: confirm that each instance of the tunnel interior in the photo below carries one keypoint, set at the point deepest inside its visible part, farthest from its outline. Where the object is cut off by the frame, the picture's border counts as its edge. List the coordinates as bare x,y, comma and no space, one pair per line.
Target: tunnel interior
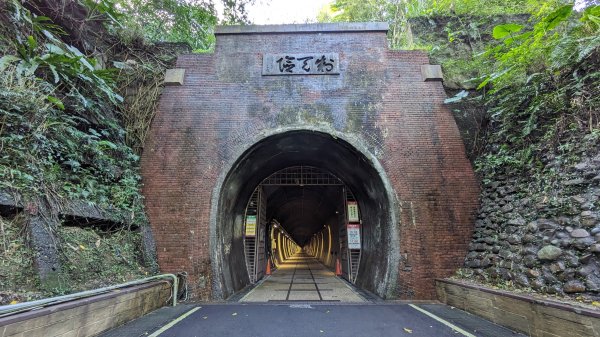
304,210
288,215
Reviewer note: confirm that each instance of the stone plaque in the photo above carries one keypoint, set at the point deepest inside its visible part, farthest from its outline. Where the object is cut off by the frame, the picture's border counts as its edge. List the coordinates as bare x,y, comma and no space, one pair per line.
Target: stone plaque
301,64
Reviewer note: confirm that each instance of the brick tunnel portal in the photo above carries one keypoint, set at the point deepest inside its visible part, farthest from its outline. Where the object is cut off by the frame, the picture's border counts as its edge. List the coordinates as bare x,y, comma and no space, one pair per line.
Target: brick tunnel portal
305,189
329,97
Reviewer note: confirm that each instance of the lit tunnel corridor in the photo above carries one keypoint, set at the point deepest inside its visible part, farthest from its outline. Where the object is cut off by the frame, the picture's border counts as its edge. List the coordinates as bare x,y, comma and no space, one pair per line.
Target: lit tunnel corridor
309,193
302,209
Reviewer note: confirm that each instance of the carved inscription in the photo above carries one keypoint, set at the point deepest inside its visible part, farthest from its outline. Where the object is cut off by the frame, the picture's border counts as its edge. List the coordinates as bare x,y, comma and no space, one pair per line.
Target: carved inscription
301,64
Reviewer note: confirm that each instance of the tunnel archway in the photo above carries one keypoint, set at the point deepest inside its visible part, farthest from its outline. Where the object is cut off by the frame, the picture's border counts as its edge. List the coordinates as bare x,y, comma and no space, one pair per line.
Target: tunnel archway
309,210
356,167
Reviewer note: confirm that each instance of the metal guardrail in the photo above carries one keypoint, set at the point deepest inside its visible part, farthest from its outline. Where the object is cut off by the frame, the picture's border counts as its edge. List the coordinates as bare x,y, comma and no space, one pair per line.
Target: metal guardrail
26,306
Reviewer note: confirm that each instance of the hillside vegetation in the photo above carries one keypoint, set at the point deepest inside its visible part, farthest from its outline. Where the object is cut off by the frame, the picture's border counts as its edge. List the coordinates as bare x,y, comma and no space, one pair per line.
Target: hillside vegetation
527,75
79,84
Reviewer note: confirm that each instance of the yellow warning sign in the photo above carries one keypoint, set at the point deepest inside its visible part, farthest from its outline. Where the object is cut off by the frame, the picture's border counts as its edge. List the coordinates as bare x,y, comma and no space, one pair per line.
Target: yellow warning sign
251,225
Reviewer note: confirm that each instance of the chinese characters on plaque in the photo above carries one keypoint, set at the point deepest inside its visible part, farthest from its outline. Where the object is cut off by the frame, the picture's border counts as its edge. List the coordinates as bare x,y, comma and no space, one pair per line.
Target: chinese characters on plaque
301,64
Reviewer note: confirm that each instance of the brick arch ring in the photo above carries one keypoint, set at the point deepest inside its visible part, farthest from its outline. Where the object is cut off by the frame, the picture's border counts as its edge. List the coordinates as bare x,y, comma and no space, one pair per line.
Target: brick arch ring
340,153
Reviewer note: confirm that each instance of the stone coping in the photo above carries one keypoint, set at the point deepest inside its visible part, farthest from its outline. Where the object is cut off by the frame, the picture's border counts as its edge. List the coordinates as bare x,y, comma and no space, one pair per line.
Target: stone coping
33,313
342,27
527,298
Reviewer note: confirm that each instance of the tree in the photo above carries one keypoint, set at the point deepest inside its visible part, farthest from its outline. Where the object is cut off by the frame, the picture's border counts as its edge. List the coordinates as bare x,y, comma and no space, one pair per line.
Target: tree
190,21
391,11
398,12
235,11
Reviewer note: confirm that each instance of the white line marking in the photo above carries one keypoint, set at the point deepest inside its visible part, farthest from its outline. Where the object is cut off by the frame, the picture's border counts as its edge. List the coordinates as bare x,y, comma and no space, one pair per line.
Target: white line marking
439,319
301,306
177,320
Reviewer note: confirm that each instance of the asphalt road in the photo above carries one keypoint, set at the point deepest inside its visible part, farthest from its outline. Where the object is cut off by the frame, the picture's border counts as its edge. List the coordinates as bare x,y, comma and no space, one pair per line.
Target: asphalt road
304,319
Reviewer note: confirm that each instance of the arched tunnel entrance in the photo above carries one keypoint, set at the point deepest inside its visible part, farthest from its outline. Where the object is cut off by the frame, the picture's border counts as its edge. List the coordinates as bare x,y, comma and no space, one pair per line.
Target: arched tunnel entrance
303,191
302,208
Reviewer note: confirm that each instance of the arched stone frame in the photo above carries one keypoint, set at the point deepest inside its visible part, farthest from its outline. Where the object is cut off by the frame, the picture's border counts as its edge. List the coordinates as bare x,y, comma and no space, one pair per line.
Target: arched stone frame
383,285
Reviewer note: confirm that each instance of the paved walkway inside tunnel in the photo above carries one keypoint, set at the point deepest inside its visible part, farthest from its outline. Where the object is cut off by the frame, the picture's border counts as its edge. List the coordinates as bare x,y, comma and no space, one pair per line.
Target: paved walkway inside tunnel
302,278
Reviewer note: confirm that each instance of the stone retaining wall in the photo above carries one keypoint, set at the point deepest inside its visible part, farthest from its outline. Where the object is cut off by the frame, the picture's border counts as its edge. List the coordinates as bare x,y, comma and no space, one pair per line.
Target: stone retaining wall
90,316
542,232
533,316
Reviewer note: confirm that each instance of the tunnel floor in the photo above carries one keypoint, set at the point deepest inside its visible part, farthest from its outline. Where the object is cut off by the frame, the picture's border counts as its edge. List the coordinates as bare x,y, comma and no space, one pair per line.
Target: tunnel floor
302,278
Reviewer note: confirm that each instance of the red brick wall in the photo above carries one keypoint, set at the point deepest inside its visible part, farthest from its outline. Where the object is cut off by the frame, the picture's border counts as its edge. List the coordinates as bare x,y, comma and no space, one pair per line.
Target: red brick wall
379,98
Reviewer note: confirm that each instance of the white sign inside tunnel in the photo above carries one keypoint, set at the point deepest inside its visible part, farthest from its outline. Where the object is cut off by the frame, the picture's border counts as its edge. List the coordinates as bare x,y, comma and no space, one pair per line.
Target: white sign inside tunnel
353,236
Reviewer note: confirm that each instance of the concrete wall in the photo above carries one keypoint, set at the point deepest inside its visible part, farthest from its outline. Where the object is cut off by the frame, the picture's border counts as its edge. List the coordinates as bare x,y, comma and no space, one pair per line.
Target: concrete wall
379,106
88,317
532,316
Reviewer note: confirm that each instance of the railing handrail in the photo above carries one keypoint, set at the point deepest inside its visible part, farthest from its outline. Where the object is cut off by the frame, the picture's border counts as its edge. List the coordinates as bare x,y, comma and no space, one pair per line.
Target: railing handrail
25,306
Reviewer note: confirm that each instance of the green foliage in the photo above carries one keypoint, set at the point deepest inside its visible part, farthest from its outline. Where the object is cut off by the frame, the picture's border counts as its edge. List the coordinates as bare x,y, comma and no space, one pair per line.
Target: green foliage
171,21
189,21
393,12
16,258
397,13
61,140
508,29
544,84
92,259
105,10
235,11
476,7
523,54
45,149
41,52
58,136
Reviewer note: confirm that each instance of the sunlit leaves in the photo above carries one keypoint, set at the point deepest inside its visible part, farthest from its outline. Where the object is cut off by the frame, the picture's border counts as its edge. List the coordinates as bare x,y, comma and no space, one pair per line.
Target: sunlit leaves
57,102
50,95
591,15
502,31
523,52
555,18
540,78
172,20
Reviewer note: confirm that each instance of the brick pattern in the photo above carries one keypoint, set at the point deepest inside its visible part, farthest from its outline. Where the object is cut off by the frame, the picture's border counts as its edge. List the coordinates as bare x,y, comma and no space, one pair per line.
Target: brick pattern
380,97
